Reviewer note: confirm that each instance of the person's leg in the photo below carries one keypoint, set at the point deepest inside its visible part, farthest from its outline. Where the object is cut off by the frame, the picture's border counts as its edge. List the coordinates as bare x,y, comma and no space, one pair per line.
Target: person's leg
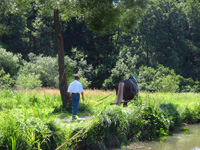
75,100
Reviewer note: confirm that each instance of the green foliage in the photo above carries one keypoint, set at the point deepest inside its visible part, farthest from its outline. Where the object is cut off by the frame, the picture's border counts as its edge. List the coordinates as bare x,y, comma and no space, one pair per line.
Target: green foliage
46,67
22,132
45,71
124,67
188,85
25,123
160,79
79,67
10,62
167,34
5,80
39,71
85,83
99,15
29,81
155,123
171,111
191,115
116,126
32,120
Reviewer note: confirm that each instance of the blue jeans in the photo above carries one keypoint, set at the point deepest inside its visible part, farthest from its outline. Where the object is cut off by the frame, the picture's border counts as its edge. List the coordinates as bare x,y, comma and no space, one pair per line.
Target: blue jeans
75,101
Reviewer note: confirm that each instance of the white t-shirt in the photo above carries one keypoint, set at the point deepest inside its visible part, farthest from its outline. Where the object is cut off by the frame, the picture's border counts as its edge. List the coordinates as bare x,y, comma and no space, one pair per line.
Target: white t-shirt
75,87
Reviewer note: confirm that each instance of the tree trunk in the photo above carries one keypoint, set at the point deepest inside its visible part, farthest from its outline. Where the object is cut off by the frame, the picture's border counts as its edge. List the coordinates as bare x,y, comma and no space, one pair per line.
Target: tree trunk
61,62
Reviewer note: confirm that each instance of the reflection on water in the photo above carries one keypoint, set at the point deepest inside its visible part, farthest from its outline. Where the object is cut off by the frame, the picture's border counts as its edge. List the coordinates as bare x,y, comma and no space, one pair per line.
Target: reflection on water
189,140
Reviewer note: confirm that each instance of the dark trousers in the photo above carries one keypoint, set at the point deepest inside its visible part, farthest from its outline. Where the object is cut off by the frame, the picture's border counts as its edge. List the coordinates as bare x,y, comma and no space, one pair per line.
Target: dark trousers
75,101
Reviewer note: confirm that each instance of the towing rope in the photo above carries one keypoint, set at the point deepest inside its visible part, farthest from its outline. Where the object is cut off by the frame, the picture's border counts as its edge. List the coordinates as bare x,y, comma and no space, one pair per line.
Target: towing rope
105,97
124,101
72,137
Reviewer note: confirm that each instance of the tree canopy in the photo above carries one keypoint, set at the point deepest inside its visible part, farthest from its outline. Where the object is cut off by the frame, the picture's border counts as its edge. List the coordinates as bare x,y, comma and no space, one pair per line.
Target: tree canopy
166,32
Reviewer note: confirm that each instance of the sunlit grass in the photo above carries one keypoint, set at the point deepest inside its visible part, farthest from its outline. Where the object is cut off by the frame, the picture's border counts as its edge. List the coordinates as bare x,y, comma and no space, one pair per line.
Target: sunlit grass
182,99
21,110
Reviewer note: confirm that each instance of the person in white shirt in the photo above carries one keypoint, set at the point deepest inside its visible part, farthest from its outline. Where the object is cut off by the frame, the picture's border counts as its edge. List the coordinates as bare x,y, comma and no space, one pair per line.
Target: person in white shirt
74,90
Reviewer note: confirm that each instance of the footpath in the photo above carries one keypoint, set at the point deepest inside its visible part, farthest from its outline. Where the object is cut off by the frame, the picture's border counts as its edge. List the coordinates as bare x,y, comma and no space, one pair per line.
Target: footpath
79,119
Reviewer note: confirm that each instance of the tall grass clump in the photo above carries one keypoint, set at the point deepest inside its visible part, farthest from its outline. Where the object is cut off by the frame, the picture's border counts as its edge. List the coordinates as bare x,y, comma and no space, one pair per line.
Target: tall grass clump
191,115
27,121
172,112
116,126
21,132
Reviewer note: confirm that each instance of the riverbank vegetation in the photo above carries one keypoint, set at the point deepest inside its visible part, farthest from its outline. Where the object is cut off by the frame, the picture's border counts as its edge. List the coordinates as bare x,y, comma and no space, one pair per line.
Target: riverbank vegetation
32,119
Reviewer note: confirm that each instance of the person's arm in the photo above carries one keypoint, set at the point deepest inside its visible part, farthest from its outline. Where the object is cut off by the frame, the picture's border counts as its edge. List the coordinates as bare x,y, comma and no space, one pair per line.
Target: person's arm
70,92
70,95
82,96
81,91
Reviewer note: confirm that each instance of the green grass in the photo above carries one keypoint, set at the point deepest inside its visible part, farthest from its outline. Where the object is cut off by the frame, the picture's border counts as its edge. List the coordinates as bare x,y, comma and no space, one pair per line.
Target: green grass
31,119
182,99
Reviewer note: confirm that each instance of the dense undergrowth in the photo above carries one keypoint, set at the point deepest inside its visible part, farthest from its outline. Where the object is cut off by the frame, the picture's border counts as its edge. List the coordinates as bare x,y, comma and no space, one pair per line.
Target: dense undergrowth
32,121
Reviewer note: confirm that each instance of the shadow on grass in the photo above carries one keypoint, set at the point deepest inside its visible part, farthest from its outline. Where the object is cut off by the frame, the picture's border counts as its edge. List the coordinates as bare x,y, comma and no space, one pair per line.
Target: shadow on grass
66,111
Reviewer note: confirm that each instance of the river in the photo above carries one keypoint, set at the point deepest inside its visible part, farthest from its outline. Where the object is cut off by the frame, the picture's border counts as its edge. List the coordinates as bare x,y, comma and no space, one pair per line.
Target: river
185,140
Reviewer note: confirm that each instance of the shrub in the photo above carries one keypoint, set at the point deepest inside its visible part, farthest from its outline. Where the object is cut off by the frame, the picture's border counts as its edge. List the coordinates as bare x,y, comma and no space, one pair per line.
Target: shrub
46,67
166,83
5,80
85,82
171,111
81,68
10,62
124,67
188,85
29,81
160,79
156,123
115,126
190,115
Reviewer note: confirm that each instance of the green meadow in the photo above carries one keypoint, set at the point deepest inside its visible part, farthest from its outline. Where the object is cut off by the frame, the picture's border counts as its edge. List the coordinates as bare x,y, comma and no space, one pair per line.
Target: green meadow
34,119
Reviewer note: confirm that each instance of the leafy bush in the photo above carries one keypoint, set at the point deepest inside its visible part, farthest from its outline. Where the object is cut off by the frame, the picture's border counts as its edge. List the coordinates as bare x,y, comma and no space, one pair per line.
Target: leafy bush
188,85
160,79
156,123
85,82
10,62
171,111
5,80
46,67
29,81
124,67
191,115
115,126
79,67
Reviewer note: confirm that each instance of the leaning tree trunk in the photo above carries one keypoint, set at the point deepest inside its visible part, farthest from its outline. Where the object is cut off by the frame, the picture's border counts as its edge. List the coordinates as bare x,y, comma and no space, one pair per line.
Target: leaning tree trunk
61,62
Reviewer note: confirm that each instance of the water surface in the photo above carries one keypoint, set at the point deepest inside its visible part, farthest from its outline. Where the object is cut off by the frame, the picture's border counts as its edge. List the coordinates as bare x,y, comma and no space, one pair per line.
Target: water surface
186,140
